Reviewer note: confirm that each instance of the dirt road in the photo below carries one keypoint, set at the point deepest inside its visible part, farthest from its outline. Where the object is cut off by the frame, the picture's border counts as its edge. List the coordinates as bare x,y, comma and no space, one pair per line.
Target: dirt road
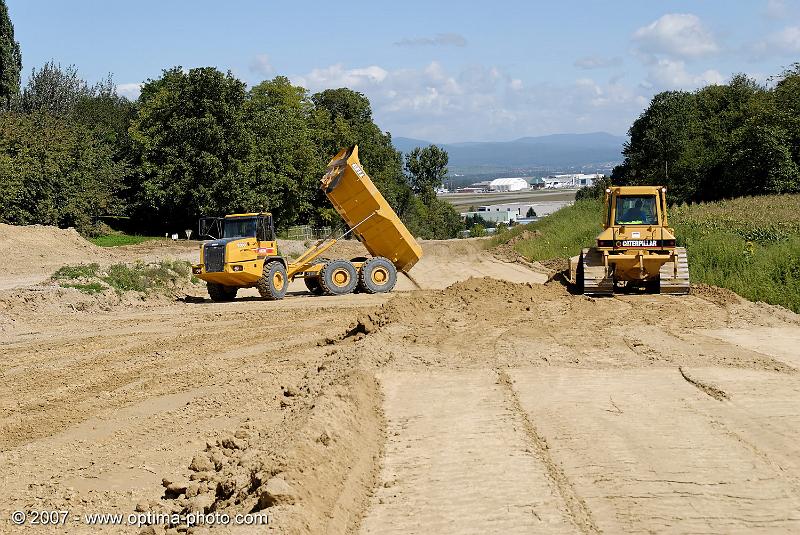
471,405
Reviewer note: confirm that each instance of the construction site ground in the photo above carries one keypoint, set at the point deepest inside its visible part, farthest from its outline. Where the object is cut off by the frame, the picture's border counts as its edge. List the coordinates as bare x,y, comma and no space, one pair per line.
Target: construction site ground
476,398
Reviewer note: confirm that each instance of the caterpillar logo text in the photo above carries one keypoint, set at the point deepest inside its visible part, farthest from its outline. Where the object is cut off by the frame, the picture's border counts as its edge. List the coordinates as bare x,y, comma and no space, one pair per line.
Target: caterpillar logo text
638,243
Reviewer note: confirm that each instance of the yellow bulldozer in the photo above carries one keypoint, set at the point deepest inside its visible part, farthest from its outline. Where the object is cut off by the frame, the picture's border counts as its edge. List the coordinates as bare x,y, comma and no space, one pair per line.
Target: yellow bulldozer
637,248
244,250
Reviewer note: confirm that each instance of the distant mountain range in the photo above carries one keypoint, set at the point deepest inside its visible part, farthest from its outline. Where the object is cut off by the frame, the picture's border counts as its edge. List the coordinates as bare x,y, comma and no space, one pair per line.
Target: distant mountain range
557,151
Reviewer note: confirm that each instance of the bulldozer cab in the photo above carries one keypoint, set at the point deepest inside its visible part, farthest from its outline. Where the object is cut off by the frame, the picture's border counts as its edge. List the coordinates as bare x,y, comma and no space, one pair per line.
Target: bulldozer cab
259,226
637,206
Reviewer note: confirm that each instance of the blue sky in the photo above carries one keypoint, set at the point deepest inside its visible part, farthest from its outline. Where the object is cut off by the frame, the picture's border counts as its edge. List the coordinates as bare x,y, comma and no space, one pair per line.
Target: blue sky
442,71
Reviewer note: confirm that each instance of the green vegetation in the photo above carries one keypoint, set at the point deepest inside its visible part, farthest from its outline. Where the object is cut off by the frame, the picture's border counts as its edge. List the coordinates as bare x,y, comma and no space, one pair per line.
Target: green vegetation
90,288
139,277
721,141
116,240
477,231
750,245
10,59
80,271
563,234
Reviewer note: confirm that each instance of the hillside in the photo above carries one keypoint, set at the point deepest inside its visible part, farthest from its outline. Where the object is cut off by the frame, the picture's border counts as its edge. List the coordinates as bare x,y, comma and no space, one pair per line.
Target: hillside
558,151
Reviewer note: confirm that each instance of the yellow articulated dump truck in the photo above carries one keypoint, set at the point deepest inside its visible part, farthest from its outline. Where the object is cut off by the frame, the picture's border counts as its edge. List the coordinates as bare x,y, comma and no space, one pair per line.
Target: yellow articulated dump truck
244,252
637,249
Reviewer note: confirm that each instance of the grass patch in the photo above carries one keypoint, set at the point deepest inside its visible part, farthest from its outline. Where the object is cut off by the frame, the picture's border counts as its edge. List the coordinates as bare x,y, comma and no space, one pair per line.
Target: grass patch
139,277
80,271
116,240
90,288
563,233
749,245
142,277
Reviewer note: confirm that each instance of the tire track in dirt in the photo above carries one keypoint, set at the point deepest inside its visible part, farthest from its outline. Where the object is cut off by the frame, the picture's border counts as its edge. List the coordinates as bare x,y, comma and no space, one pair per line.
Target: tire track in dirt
706,388
579,512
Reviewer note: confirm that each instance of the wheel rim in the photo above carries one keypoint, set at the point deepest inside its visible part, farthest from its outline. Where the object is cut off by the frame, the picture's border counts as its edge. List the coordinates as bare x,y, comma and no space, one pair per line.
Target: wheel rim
277,280
379,275
340,277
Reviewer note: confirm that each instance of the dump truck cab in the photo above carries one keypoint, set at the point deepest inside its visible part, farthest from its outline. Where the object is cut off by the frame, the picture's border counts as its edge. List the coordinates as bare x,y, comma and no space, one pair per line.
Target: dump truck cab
636,249
235,256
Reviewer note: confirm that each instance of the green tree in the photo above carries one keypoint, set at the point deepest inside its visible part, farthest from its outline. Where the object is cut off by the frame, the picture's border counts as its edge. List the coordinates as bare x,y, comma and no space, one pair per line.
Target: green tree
531,212
54,90
10,59
720,141
343,117
427,168
282,170
190,144
55,172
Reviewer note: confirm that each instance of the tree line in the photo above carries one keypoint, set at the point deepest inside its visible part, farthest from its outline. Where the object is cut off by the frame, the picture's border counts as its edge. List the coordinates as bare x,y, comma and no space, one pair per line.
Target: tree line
721,141
196,142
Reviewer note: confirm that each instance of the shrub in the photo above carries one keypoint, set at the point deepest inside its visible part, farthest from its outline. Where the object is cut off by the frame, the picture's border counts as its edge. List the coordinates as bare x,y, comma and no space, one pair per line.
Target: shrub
477,231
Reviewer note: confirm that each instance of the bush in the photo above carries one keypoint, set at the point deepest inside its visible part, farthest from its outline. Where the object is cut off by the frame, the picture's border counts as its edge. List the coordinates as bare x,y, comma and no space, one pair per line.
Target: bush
595,191
81,271
139,277
477,231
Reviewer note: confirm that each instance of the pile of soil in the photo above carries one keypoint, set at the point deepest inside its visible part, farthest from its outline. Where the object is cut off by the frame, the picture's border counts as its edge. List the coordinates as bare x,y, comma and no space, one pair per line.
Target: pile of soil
43,249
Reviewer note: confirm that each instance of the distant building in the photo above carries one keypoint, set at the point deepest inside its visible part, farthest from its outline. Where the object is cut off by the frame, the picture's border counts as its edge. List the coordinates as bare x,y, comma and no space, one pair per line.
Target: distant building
537,183
505,213
575,180
508,184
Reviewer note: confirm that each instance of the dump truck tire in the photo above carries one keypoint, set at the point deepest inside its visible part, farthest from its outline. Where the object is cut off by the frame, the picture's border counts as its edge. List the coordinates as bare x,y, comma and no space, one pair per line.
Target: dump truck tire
313,285
274,282
377,275
338,277
220,293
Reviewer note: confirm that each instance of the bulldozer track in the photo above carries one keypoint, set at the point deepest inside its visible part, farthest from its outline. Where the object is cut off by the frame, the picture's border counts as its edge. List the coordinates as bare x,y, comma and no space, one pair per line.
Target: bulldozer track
596,277
672,281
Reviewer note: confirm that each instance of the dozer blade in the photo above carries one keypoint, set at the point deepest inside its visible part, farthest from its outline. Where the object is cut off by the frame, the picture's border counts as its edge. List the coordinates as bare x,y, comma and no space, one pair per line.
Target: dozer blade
597,279
674,276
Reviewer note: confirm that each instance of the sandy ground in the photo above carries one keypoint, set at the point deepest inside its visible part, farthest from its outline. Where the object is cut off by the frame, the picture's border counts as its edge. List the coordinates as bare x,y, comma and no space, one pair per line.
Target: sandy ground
475,399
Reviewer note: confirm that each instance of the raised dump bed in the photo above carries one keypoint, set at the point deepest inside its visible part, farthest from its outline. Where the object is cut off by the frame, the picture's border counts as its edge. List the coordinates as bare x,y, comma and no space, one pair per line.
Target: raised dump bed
364,209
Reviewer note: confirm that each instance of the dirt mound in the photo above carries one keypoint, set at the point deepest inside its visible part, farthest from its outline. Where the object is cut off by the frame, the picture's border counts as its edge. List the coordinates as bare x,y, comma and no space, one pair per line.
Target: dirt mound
37,248
28,254
517,322
313,471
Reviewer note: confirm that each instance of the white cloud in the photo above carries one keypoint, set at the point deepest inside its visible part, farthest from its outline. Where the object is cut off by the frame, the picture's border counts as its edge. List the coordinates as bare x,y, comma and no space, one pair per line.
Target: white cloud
261,65
675,35
597,62
672,74
785,41
480,102
776,9
782,43
441,39
129,91
337,76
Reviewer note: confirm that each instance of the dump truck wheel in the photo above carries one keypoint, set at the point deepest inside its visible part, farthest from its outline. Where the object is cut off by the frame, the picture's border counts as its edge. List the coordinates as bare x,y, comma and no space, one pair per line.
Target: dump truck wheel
338,277
219,292
377,275
313,285
274,282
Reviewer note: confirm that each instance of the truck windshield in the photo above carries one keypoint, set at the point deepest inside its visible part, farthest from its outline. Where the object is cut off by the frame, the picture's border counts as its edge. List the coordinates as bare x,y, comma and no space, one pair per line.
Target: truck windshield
244,227
636,210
